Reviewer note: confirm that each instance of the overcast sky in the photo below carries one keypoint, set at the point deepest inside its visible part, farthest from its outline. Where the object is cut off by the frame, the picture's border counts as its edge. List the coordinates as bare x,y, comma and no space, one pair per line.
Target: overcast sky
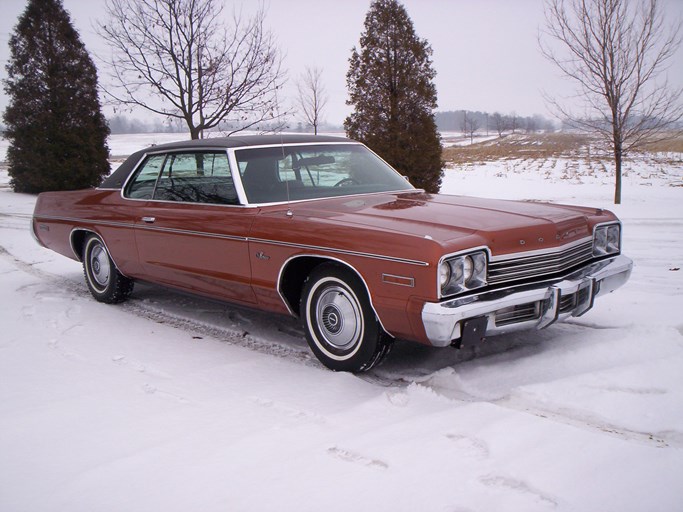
485,51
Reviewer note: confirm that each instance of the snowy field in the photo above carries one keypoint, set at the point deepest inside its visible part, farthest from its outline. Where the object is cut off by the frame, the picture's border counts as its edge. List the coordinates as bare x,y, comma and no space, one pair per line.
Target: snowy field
169,403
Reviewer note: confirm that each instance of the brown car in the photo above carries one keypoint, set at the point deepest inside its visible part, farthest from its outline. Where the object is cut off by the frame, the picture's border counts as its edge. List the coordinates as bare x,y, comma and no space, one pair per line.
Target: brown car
323,229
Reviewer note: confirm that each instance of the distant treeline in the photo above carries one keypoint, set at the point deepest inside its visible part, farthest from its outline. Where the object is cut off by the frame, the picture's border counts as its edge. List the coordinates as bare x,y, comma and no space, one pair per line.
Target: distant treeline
123,124
468,122
464,121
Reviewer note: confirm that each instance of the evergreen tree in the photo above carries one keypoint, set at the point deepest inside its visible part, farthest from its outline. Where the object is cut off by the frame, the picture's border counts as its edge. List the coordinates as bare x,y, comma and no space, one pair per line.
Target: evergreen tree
391,90
55,126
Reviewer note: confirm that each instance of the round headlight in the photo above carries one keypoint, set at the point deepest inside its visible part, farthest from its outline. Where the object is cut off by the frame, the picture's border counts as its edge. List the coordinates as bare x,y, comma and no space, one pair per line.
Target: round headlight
613,239
479,264
444,274
467,268
457,270
601,240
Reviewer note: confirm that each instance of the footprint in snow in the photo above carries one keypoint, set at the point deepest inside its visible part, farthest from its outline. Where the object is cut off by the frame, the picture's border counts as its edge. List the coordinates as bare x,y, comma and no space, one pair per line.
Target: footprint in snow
71,329
518,487
122,360
287,410
470,446
54,344
153,390
357,458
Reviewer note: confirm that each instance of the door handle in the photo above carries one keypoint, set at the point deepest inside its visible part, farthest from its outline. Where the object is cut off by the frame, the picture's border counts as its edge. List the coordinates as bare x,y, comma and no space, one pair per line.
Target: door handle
148,220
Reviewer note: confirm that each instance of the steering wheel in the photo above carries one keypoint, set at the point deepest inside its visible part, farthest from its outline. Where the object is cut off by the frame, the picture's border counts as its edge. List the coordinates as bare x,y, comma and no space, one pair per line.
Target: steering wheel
346,181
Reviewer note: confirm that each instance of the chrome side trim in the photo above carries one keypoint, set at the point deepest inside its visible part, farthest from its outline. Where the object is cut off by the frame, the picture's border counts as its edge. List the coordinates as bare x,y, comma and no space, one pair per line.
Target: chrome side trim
292,144
315,199
443,320
165,201
78,220
188,232
340,251
238,238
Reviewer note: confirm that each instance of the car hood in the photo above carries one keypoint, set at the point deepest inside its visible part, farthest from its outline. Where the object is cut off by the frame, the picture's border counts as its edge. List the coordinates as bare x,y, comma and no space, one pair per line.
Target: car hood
502,225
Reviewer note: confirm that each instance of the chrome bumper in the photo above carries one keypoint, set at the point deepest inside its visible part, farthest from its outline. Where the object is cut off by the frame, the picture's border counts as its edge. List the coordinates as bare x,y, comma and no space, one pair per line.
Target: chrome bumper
525,307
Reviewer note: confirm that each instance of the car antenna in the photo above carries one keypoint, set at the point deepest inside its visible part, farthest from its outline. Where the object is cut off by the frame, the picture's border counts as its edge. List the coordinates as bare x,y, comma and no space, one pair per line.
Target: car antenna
282,146
289,213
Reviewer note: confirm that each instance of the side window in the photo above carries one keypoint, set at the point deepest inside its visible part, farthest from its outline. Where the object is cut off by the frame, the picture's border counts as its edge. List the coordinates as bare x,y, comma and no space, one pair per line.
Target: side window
202,177
216,164
285,169
142,184
183,166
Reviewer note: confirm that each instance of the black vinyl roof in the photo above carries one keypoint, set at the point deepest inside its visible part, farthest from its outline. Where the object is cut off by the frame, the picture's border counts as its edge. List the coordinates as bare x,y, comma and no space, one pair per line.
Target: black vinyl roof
118,177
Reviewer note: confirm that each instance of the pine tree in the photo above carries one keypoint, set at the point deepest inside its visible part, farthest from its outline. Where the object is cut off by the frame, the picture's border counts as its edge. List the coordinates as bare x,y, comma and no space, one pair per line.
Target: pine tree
391,89
55,126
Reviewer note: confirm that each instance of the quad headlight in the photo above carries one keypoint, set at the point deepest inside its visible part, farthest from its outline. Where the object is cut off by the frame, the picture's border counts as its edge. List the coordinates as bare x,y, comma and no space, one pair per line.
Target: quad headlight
606,239
462,273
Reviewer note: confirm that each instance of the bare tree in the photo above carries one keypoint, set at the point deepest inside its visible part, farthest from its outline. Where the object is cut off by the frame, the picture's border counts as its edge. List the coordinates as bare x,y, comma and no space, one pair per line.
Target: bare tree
513,122
470,124
499,123
176,58
615,52
312,96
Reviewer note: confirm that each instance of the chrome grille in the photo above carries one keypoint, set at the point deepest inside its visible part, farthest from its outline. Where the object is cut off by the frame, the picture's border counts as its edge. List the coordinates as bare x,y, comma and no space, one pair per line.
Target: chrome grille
519,313
567,303
527,267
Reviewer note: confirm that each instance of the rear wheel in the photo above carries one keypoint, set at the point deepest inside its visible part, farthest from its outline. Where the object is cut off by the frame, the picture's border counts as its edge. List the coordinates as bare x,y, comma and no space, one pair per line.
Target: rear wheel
104,281
341,327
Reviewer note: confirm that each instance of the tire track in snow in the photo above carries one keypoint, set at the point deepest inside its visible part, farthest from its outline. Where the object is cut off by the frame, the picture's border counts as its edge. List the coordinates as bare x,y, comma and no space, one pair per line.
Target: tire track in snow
239,338
565,417
523,405
16,221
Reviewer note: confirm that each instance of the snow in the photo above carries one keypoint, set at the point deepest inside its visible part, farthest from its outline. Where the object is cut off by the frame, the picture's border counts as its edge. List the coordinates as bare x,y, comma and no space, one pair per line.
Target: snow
173,403
452,139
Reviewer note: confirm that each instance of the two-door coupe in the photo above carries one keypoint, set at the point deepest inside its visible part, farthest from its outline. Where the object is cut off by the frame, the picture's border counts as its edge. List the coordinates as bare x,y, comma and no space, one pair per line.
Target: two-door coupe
324,229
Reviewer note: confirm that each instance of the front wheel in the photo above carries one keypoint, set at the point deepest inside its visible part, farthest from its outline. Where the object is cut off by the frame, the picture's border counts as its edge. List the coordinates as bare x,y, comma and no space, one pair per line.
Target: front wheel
104,281
341,327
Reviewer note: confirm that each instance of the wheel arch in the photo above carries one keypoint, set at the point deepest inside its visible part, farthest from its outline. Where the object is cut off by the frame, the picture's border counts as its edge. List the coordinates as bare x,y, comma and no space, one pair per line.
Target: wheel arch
296,270
77,240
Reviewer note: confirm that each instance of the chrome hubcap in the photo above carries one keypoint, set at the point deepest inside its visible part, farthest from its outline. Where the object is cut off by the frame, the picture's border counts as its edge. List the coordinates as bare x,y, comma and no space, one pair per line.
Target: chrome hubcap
339,318
99,265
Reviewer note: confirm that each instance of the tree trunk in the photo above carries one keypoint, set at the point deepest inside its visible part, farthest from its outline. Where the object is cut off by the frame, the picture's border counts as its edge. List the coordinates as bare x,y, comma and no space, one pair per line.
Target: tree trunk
617,169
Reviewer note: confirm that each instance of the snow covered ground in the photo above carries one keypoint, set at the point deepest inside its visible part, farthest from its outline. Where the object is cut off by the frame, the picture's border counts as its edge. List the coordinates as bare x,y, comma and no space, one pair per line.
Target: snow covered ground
169,403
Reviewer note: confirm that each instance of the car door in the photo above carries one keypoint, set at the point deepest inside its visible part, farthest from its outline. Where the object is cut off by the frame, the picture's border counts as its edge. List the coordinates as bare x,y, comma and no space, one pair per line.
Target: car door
191,231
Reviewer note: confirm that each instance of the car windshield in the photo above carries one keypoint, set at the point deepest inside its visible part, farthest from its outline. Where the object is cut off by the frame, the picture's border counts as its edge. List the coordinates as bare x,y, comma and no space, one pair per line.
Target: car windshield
290,173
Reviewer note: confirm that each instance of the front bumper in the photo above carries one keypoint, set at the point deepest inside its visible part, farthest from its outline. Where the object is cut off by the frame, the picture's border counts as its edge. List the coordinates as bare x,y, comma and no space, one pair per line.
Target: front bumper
530,306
